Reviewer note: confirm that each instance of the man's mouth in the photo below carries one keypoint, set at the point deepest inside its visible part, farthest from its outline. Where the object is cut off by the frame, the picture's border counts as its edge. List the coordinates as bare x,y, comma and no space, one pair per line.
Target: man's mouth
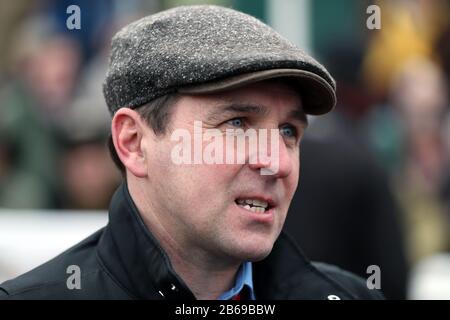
254,205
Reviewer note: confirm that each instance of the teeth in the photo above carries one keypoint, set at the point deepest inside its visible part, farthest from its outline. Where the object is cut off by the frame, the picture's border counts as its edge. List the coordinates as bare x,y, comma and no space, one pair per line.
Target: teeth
253,202
260,203
254,209
259,209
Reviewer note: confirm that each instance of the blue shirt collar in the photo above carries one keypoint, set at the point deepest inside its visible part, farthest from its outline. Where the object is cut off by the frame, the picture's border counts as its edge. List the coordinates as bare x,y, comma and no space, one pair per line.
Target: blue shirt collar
244,277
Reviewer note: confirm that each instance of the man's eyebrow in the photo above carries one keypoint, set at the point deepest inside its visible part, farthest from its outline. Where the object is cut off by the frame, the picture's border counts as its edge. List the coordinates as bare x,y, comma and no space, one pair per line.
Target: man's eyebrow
299,115
235,107
232,108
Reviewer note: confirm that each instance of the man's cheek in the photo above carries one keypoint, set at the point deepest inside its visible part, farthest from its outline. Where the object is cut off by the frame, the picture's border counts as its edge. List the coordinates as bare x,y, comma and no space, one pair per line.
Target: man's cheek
295,176
290,191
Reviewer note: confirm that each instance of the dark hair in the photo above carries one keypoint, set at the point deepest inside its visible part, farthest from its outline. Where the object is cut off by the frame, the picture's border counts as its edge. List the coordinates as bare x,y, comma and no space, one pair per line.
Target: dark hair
156,114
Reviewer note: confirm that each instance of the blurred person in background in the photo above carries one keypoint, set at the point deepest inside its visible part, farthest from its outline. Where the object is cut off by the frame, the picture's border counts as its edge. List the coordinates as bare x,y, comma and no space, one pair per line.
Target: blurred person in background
52,79
409,30
443,52
419,99
404,68
87,174
44,72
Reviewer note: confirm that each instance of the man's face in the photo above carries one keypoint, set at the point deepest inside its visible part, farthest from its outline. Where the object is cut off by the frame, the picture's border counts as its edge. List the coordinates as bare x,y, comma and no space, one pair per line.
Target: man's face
198,204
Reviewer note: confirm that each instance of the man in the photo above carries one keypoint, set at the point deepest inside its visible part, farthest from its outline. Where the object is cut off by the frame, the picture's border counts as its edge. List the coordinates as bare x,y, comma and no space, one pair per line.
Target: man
190,228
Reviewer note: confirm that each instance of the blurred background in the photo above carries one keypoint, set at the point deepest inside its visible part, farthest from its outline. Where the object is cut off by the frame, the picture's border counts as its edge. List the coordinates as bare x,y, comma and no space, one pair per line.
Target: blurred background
375,179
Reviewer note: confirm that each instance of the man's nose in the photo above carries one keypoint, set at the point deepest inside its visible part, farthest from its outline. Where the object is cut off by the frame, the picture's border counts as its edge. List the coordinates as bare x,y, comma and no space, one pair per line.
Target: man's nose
275,161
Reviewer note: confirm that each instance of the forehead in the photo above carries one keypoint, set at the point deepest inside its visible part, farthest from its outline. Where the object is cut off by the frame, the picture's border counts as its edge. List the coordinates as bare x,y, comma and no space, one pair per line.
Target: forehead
273,95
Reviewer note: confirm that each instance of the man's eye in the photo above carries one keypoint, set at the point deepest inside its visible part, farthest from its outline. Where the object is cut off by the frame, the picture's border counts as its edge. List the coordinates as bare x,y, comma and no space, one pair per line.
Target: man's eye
236,122
289,131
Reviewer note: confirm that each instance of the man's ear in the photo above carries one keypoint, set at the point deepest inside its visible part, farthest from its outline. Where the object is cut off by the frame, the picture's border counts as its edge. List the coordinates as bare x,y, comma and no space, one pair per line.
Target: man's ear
127,131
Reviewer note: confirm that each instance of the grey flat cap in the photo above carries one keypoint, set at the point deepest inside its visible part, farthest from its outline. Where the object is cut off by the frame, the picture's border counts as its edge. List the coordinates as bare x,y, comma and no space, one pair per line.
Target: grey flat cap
206,49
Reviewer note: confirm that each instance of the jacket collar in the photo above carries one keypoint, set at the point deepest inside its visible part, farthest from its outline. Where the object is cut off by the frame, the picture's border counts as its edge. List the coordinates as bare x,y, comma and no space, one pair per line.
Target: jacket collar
286,274
134,258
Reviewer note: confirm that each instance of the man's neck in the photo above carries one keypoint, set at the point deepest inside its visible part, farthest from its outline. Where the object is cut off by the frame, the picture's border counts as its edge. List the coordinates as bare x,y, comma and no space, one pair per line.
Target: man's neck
207,283
207,277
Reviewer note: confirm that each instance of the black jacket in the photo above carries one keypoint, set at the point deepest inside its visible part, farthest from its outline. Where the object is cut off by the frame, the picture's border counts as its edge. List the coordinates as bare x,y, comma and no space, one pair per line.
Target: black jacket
124,261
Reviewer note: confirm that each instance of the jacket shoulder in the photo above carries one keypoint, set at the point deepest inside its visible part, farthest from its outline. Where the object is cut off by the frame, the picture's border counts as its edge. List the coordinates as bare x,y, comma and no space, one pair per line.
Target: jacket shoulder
50,280
352,283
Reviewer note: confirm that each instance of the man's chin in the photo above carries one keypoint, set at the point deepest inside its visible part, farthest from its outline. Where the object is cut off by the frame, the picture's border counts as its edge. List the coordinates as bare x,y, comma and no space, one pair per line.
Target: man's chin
253,253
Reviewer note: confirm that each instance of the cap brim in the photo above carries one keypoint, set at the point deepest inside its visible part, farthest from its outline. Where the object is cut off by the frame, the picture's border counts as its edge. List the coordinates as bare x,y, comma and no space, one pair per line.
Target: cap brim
318,95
